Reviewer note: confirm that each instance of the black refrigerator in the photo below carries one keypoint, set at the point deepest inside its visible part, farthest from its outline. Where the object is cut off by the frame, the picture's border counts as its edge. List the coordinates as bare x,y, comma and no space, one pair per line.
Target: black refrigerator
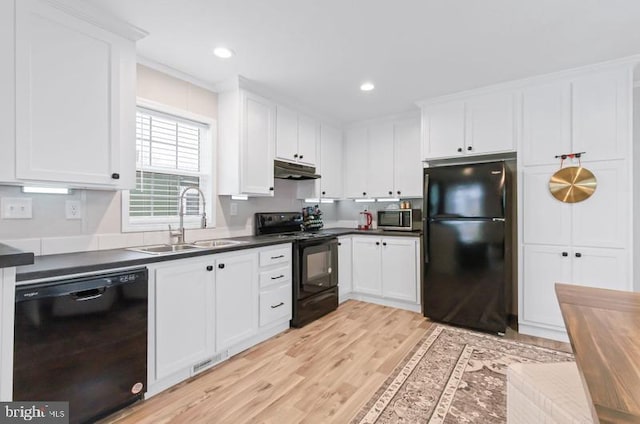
467,253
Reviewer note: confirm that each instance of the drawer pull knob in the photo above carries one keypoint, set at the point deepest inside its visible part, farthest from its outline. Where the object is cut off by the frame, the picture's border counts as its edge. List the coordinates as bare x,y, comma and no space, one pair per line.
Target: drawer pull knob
209,268
277,306
578,255
277,257
565,254
279,276
221,266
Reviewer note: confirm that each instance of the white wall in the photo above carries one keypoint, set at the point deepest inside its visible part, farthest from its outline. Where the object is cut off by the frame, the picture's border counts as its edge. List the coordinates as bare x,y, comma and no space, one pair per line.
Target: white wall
50,232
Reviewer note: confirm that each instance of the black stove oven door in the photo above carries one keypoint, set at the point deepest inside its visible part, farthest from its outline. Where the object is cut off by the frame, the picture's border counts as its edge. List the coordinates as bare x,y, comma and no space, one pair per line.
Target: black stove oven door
318,266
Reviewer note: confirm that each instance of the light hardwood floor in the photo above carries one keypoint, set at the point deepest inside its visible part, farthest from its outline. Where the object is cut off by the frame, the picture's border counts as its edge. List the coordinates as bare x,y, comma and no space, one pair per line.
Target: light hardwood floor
322,373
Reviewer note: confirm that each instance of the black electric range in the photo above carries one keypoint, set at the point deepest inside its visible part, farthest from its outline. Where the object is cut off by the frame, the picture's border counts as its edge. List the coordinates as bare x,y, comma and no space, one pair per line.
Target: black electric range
315,264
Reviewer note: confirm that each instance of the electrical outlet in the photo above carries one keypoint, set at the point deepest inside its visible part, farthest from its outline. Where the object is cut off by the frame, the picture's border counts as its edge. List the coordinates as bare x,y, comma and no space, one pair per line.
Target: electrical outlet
234,209
17,208
73,209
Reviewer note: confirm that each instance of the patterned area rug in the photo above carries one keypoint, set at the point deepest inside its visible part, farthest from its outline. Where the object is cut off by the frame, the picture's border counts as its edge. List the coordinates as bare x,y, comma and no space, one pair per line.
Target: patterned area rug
452,376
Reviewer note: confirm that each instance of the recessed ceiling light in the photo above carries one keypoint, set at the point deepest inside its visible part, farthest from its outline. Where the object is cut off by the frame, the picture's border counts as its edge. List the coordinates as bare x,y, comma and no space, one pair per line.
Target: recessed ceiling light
367,86
223,52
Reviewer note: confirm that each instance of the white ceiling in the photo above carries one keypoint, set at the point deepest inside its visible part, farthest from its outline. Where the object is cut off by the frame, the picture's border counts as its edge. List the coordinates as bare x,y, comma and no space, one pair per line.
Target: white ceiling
317,52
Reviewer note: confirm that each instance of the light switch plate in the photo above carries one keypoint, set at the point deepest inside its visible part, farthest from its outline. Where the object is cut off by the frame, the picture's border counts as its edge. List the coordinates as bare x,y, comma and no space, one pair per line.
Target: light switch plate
17,208
73,209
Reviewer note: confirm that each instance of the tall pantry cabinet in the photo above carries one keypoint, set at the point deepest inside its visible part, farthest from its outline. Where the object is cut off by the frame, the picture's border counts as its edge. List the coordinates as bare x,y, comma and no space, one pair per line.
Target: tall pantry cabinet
586,243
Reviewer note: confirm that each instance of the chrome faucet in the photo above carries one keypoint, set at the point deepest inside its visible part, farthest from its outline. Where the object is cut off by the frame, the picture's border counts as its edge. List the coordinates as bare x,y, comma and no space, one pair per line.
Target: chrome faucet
179,234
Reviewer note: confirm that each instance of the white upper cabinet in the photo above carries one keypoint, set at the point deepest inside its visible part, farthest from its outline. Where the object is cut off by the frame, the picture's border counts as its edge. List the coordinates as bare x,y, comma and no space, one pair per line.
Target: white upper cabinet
546,124
490,124
589,113
246,148
600,105
408,169
296,137
7,92
481,124
331,171
75,85
380,164
286,134
388,151
443,130
257,144
308,131
356,162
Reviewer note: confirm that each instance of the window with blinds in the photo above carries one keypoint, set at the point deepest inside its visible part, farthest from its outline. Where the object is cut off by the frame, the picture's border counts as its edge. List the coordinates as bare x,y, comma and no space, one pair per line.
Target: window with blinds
168,160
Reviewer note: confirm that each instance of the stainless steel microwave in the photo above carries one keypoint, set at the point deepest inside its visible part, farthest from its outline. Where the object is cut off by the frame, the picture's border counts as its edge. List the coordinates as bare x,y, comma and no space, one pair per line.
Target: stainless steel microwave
400,219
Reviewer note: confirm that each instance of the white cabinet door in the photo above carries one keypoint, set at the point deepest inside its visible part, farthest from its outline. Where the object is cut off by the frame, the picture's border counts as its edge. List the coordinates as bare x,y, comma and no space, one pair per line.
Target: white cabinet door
601,115
444,130
543,267
602,268
331,182
236,294
380,165
399,268
367,278
71,78
546,123
603,219
184,316
546,220
307,140
356,162
286,134
490,124
257,127
7,92
345,284
407,161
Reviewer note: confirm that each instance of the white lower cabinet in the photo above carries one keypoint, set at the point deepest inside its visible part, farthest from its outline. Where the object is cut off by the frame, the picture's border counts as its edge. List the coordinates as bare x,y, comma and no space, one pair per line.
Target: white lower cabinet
386,270
345,283
206,309
546,265
275,304
184,315
236,299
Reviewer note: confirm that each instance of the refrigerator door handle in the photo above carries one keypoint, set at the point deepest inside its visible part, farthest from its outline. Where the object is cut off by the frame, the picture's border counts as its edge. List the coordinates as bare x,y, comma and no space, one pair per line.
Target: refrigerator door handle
425,219
498,219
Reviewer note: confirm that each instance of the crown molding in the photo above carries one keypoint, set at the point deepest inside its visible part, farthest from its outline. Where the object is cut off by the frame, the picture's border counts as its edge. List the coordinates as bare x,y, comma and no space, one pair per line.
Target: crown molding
98,17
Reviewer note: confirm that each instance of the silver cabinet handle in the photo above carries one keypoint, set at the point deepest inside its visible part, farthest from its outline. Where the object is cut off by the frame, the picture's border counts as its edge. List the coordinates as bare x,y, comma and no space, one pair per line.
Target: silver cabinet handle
498,219
277,306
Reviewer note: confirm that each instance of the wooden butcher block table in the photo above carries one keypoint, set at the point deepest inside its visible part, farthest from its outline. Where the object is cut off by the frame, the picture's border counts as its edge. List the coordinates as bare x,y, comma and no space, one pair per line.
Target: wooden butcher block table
604,330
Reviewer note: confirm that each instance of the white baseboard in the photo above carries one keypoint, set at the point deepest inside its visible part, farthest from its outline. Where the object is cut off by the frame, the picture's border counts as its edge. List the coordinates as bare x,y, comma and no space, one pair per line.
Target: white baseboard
547,333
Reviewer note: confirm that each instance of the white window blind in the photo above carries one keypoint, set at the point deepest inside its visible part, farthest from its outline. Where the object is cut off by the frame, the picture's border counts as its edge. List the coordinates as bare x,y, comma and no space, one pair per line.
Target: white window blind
168,159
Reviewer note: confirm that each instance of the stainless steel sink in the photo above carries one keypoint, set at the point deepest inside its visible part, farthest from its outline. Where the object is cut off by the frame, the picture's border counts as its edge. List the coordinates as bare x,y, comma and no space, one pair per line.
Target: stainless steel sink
212,244
160,249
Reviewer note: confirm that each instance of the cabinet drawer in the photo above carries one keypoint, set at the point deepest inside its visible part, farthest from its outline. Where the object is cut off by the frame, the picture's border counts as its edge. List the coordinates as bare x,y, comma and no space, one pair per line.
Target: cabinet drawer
275,256
275,304
275,276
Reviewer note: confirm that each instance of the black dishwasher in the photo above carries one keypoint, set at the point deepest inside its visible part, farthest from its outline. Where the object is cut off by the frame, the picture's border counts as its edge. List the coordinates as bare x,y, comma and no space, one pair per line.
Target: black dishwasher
82,340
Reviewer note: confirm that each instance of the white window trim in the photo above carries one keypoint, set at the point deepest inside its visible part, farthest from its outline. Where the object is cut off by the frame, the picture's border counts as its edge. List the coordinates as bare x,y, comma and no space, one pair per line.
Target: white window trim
208,158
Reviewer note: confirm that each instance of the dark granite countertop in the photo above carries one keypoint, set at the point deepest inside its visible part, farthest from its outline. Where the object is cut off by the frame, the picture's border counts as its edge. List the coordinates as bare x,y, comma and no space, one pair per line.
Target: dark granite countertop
10,257
51,266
